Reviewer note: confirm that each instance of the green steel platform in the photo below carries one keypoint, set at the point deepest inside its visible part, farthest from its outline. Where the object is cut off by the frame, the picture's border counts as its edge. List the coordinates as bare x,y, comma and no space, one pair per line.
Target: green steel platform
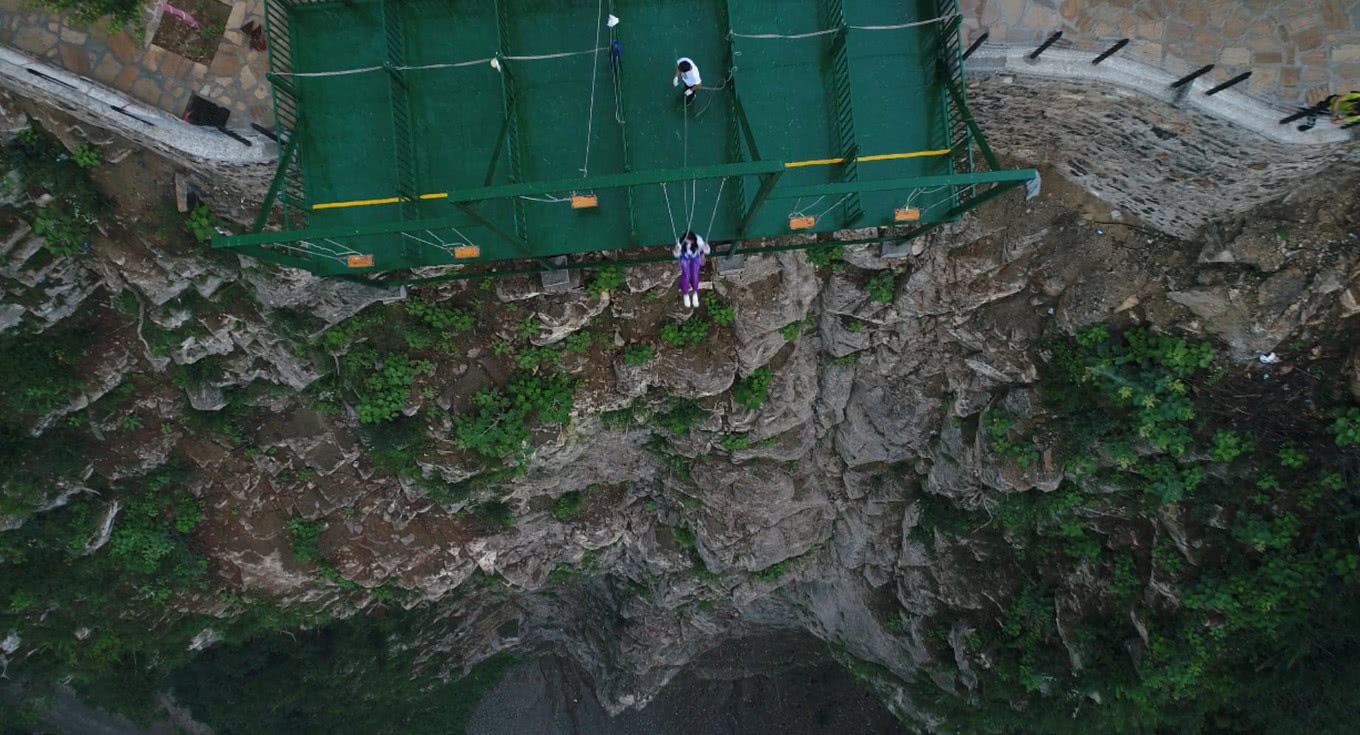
418,133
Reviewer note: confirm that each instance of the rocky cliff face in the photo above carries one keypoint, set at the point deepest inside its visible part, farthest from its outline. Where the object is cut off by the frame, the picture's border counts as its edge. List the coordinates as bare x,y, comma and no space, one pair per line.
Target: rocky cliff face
628,540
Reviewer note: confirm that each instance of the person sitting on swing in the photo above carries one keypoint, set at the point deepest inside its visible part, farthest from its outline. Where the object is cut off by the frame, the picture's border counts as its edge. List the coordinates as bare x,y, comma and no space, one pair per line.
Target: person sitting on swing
690,250
687,72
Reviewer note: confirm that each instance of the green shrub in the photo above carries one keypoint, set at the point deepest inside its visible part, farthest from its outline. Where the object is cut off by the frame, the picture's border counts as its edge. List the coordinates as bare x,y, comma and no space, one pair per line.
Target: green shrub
441,317
883,287
855,326
678,415
86,156
579,342
530,358
1229,445
735,442
65,233
721,314
772,573
387,389
1292,456
684,536
303,536
999,425
607,279
500,425
791,331
688,333
638,354
1346,427
496,514
202,223
123,15
569,506
529,327
824,256
752,390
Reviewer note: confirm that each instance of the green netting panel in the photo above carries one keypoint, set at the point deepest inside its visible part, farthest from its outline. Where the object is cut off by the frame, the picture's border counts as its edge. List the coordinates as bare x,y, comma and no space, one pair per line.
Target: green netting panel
474,125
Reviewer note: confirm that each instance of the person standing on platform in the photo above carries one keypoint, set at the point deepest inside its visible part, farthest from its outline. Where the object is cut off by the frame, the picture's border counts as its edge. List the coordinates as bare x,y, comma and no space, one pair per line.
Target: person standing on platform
687,73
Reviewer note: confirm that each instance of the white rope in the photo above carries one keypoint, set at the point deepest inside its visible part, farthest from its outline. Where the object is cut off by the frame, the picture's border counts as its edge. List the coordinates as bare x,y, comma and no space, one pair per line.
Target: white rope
562,55
594,72
366,69
549,199
669,215
818,218
813,34
786,36
900,26
709,232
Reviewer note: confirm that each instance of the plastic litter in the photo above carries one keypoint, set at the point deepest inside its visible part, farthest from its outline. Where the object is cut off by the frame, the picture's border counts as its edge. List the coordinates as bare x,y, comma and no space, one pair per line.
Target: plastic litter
1269,359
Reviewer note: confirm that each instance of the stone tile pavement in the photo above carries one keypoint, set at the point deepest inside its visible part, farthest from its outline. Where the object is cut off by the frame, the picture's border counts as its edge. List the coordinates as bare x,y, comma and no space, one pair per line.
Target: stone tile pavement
1297,50
235,78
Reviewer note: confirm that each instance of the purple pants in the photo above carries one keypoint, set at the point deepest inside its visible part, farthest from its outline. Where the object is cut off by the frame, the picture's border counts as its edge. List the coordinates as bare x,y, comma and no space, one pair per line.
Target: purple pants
689,274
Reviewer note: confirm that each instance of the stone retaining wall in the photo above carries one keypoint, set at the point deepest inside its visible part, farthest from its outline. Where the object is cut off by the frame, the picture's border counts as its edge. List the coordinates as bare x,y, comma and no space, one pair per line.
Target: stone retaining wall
1121,133
244,170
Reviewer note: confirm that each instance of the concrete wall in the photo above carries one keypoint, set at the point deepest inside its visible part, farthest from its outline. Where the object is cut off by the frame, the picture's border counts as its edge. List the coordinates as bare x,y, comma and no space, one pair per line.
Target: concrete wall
1120,132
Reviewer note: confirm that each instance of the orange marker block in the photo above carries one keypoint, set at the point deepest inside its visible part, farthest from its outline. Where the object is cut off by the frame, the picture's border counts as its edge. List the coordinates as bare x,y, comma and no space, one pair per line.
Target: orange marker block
802,223
907,214
467,251
584,201
359,261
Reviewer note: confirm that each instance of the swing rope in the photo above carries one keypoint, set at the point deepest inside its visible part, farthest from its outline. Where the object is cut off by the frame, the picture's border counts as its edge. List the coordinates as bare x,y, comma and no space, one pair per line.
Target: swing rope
669,215
594,73
708,233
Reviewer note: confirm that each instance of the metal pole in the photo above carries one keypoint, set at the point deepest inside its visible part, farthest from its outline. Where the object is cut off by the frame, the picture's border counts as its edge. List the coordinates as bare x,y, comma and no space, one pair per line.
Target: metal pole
1111,51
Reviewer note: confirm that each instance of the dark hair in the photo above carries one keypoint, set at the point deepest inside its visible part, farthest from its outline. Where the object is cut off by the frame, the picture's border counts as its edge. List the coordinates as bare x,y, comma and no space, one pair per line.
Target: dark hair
685,66
689,238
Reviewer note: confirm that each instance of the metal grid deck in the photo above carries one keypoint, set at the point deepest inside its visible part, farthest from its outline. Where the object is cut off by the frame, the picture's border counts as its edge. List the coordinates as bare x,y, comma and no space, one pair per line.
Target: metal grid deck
433,132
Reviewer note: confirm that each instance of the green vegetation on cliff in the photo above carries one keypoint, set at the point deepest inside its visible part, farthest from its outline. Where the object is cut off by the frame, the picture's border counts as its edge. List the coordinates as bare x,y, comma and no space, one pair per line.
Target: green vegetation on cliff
1196,571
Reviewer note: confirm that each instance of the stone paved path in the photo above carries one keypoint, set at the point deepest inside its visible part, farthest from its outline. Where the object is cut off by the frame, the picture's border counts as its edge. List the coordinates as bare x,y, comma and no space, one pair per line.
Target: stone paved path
234,79
1297,50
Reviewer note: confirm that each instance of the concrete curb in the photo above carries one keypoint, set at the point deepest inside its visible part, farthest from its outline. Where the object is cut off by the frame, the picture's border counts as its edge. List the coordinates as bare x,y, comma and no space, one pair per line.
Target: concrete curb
120,114
1230,106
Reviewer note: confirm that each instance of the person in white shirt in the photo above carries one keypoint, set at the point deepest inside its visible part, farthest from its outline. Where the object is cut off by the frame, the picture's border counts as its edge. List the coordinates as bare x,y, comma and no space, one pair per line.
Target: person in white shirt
687,73
690,250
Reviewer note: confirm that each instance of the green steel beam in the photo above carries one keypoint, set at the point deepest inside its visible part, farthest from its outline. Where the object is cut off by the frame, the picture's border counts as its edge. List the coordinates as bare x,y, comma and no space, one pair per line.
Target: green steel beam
957,95
607,181
470,209
496,154
920,182
766,186
973,203
339,231
280,174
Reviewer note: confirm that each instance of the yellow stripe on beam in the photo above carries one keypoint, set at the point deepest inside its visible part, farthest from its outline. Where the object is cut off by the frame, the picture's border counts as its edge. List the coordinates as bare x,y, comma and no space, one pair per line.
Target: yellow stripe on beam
436,195
895,156
356,203
868,159
817,162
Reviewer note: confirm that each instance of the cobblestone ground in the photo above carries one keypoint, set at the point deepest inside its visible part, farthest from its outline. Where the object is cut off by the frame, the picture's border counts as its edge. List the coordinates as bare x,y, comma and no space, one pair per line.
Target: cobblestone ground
1296,50
234,79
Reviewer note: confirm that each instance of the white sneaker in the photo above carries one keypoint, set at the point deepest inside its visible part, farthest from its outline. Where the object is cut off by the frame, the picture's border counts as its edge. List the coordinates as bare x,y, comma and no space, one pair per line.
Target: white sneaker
685,298
695,296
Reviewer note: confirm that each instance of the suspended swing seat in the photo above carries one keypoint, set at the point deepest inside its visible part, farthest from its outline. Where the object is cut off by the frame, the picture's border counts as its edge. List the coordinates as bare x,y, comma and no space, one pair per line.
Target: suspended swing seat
359,261
907,214
467,251
585,201
805,222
